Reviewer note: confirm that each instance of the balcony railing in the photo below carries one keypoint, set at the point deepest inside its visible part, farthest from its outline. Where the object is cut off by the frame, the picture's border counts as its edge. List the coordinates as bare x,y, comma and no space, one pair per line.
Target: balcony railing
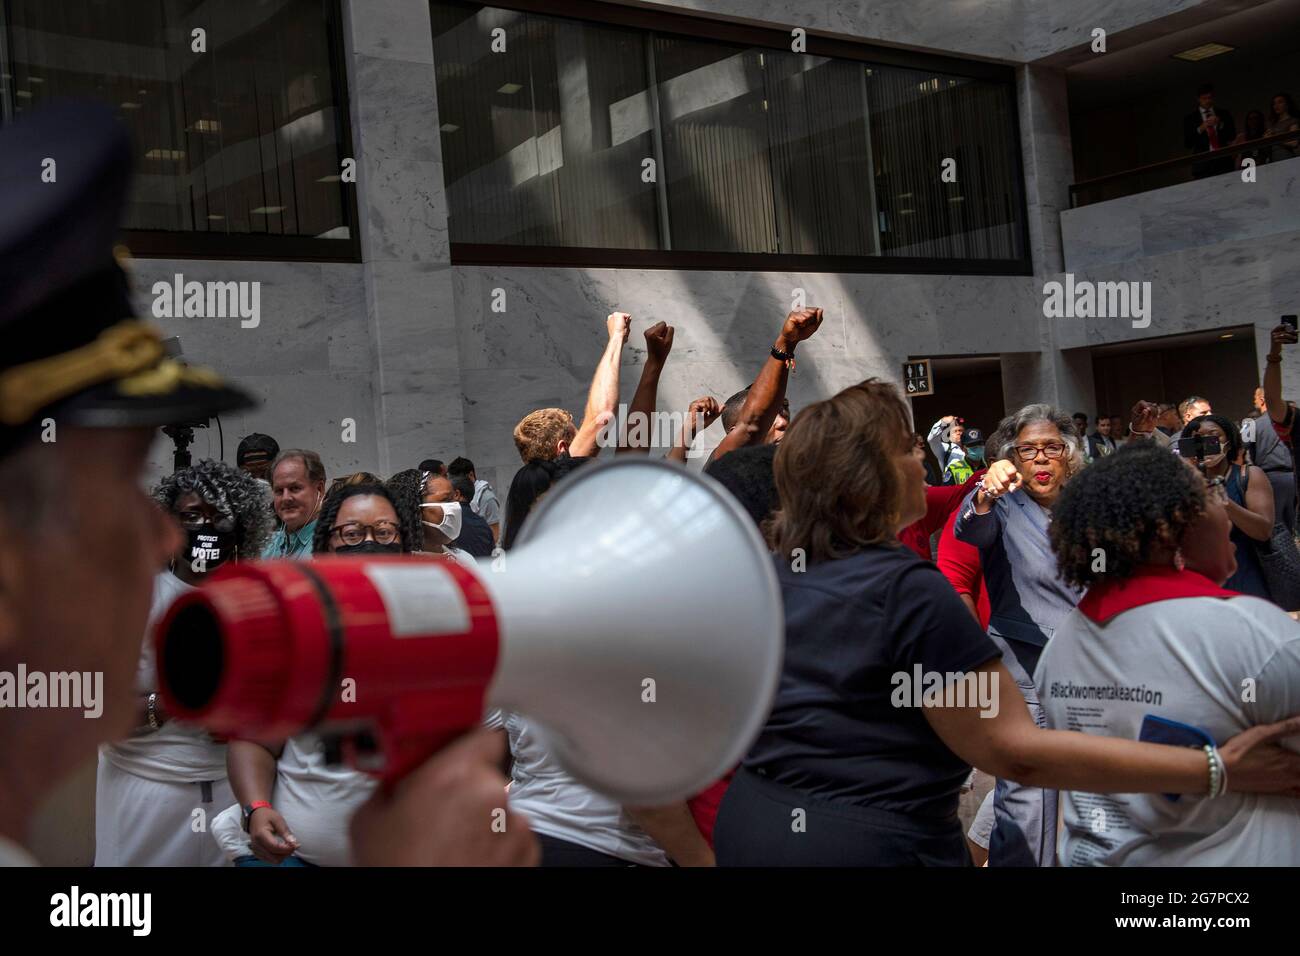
1161,174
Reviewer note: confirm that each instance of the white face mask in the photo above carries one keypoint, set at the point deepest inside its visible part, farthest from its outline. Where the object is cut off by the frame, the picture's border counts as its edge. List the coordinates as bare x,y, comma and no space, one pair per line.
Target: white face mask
450,524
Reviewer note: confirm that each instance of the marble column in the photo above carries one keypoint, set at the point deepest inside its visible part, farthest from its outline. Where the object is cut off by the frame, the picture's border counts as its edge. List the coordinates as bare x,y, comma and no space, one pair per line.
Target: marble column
403,220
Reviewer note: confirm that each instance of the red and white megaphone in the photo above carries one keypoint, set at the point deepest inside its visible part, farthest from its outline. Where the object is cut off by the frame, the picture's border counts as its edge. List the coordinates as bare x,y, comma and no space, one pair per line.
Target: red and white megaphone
604,625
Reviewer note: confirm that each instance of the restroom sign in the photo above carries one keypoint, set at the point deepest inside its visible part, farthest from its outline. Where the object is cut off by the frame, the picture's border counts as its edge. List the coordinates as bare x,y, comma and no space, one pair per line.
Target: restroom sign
916,374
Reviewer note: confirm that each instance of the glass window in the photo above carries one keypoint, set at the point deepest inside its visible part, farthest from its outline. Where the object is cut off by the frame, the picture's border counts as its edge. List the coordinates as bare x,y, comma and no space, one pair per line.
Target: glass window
243,139
920,119
543,139
755,150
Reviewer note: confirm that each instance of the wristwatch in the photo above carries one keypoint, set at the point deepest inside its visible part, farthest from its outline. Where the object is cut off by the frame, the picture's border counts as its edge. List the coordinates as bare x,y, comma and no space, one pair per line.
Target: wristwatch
250,809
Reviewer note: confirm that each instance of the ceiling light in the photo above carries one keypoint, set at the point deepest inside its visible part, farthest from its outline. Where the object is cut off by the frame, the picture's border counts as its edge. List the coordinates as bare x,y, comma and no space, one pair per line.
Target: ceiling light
24,94
1203,52
509,88
330,179
165,154
1226,335
35,79
129,106
267,210
449,127
207,126
215,216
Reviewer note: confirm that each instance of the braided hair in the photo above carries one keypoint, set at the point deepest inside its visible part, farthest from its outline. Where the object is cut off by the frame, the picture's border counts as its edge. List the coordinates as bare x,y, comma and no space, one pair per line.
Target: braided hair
329,513
407,490
233,493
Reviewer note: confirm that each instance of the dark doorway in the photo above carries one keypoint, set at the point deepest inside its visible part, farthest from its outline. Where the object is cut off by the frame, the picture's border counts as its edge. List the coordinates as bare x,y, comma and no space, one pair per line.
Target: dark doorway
969,386
1219,365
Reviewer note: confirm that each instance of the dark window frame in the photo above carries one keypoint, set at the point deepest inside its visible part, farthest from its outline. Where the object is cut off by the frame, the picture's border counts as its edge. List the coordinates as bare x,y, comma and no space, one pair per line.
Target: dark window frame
182,244
706,26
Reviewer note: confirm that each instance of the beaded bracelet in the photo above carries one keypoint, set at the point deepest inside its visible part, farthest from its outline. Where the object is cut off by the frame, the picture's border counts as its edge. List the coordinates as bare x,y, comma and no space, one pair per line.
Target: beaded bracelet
1218,772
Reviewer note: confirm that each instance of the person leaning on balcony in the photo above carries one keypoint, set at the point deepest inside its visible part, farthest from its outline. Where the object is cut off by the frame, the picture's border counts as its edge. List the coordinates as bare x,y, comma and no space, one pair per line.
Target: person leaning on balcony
1283,118
1206,129
854,768
1254,128
1272,450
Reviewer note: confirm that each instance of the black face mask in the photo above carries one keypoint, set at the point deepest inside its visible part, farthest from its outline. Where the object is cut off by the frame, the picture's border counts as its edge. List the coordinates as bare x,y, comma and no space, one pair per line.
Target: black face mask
207,548
370,547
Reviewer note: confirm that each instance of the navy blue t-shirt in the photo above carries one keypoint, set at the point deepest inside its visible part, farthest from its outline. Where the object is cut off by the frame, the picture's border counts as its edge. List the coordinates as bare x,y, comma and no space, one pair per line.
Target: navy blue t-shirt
850,626
475,534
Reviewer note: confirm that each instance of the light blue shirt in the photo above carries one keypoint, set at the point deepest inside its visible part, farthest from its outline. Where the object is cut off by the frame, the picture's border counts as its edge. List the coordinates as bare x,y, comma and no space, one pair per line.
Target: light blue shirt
287,544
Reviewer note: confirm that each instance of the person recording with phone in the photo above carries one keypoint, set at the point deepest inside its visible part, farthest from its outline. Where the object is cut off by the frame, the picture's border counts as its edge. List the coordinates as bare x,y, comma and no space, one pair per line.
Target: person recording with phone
1273,447
1214,444
945,440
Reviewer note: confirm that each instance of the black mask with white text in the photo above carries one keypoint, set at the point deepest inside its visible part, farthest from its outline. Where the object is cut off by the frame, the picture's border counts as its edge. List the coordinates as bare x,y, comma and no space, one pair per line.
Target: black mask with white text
370,547
207,548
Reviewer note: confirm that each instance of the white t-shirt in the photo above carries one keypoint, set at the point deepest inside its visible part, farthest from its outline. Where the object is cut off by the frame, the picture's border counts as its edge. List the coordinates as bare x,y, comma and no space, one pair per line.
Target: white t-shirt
1219,664
317,801
560,807
176,752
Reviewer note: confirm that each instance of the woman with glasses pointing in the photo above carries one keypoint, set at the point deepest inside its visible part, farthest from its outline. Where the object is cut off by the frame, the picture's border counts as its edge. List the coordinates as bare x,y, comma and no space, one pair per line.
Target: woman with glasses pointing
1033,453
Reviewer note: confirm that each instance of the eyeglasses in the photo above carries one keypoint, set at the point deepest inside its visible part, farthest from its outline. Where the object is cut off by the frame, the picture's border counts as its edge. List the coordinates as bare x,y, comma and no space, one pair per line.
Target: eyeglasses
1053,450
354,532
194,520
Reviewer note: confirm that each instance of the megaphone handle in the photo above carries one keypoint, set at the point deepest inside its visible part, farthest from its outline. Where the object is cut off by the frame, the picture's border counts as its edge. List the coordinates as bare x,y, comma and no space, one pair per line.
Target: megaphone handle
418,726
408,753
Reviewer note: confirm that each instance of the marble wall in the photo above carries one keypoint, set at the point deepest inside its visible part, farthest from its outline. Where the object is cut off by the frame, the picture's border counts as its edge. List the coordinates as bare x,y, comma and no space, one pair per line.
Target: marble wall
542,349
408,347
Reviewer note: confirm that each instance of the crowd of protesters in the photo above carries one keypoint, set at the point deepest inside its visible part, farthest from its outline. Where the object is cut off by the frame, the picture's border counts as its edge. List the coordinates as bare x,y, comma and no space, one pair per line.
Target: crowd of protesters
1103,594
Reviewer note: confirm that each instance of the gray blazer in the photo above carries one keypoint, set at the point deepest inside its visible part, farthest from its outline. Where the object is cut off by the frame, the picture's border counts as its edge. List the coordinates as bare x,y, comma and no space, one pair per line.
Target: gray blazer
1026,599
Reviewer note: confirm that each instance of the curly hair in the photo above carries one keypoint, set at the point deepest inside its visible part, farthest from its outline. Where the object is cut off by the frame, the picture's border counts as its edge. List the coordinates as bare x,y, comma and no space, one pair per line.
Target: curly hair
329,513
839,485
233,493
407,490
1003,439
1125,505
747,474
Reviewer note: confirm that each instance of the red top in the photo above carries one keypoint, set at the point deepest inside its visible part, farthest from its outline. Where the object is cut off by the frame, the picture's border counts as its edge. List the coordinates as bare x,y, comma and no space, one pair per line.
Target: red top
1148,584
959,562
704,806
940,502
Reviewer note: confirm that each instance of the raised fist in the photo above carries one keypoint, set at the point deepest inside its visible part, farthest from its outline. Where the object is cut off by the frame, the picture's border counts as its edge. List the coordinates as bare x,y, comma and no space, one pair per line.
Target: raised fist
619,324
801,325
659,341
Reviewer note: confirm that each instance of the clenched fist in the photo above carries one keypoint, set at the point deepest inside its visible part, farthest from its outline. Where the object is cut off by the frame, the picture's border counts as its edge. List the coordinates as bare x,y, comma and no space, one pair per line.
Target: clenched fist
702,413
619,324
801,325
659,341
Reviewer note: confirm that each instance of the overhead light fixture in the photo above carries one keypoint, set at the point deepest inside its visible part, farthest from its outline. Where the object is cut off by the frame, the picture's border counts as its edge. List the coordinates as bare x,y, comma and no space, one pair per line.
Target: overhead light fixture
956,199
165,154
129,105
207,126
267,210
509,89
1226,335
215,216
1203,52
143,92
330,179
35,79
906,212
449,127
24,94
